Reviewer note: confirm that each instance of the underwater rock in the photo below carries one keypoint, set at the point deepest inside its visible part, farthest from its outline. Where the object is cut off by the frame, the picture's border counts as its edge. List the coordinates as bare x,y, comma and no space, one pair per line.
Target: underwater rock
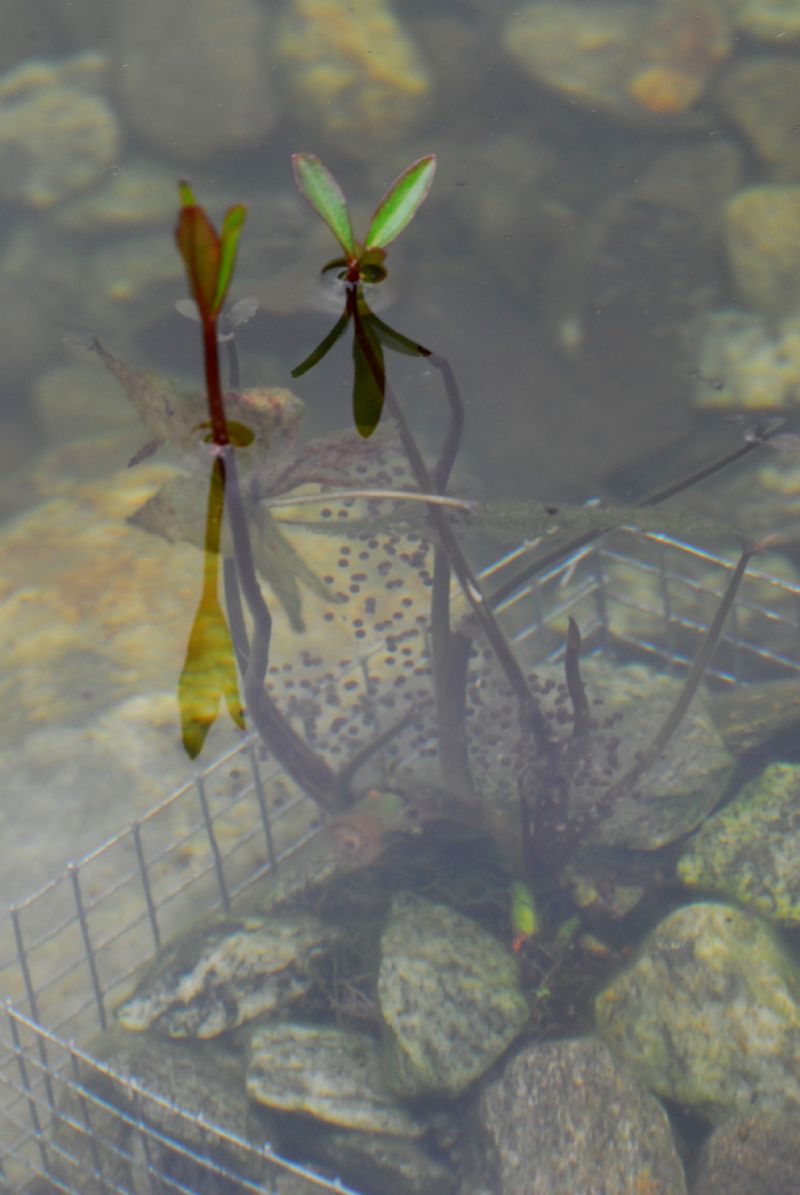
750,715
42,285
643,67
190,1087
563,1118
56,135
95,403
708,1014
747,361
673,795
332,1074
760,1154
667,801
748,851
225,974
449,995
130,277
761,97
510,184
762,234
353,65
766,20
193,85
373,1162
138,194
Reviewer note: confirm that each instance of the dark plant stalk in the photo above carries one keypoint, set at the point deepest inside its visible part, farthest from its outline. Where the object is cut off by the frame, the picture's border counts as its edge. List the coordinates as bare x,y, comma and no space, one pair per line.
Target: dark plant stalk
216,406
532,719
575,686
310,771
304,765
529,707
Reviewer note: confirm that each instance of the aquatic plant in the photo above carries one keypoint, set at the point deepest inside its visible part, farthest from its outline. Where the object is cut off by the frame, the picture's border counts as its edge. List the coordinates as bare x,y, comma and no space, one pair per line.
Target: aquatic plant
363,263
210,259
551,763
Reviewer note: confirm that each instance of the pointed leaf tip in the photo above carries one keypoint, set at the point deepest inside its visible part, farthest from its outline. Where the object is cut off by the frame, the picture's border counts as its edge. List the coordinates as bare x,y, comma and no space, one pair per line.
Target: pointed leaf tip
186,193
400,202
321,190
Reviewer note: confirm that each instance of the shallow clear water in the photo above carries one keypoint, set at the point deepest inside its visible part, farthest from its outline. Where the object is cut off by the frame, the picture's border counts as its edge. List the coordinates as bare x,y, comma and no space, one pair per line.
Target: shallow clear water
573,243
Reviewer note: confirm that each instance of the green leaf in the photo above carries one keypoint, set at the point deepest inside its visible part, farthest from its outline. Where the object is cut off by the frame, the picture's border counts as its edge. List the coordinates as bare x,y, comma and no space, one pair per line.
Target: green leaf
209,669
396,340
369,377
400,202
208,676
232,224
323,347
199,247
316,183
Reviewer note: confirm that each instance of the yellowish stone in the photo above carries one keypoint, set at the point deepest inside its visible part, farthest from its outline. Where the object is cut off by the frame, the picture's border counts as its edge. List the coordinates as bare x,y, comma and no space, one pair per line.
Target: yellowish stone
354,63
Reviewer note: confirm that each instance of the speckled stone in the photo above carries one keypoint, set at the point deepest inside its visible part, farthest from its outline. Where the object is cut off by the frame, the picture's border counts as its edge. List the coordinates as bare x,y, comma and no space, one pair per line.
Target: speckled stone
332,1074
450,997
760,1154
564,1118
225,974
748,851
708,1014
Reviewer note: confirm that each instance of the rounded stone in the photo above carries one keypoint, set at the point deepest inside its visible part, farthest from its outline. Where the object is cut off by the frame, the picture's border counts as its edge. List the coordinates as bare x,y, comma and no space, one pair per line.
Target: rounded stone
331,1074
760,95
353,66
762,234
708,1014
563,1117
748,851
449,995
761,1153
57,135
192,82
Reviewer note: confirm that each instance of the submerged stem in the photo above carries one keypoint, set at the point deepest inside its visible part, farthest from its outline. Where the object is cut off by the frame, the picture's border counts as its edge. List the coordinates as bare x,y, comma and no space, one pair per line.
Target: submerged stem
292,751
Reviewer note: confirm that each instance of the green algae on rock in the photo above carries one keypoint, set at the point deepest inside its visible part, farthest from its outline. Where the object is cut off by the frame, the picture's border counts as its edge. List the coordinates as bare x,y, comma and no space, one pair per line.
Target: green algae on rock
331,1074
708,1014
748,851
450,997
224,975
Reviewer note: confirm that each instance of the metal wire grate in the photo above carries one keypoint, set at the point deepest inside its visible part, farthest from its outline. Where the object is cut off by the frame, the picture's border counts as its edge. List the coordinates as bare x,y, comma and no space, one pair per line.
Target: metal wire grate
68,952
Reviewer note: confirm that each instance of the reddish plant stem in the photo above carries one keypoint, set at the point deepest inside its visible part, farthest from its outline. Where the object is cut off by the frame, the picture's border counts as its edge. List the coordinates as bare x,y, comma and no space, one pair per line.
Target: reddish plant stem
216,406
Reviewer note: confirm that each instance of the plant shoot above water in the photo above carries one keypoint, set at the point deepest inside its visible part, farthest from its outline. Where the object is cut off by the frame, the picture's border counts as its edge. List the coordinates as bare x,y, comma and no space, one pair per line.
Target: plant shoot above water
363,263
210,259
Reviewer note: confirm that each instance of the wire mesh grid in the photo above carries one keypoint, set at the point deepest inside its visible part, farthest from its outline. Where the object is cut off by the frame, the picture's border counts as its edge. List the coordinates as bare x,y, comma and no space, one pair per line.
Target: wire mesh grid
68,953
